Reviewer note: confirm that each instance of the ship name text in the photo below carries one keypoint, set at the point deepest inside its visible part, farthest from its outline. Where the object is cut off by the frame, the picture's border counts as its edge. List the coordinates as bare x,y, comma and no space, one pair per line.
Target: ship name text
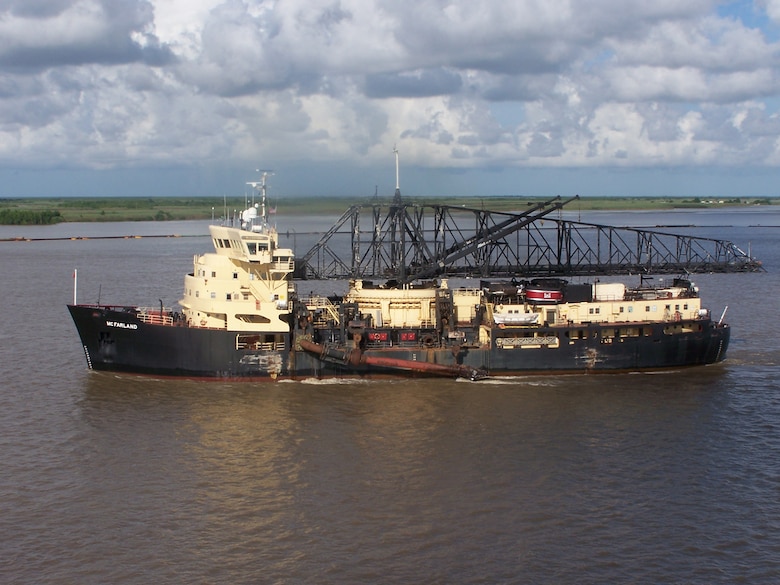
121,325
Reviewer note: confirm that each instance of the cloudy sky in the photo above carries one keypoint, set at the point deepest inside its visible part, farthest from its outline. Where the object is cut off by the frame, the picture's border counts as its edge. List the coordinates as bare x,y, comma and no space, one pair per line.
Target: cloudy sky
530,97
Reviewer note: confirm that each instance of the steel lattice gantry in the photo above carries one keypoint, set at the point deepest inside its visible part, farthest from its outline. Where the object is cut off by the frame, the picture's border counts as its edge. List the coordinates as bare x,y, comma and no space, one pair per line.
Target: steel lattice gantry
404,242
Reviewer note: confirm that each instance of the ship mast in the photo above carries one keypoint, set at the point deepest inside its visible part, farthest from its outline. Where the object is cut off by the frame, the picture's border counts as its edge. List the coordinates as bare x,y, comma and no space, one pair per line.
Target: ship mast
397,223
260,186
397,174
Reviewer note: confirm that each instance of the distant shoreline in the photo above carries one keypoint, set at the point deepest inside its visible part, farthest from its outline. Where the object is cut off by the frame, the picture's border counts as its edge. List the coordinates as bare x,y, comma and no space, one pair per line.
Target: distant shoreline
47,211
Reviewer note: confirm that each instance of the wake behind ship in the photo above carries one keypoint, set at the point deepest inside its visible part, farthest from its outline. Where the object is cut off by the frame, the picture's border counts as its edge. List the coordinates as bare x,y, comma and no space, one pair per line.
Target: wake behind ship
241,316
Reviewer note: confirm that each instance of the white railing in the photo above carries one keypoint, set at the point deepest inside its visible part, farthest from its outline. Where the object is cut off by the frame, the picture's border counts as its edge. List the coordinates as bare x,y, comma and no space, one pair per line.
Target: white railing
153,317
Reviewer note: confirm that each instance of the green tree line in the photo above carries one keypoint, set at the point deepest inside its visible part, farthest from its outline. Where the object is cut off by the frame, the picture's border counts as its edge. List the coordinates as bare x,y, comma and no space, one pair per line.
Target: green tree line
29,217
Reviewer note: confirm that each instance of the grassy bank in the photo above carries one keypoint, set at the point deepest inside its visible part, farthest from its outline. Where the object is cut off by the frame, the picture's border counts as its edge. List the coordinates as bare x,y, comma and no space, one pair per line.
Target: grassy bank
53,210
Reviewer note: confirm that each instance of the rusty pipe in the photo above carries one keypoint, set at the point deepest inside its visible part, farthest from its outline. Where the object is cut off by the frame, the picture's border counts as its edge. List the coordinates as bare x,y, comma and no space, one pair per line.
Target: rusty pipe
355,357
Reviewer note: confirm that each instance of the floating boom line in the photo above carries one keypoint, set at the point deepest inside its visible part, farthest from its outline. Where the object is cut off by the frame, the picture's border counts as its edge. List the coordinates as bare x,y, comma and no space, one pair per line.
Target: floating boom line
404,242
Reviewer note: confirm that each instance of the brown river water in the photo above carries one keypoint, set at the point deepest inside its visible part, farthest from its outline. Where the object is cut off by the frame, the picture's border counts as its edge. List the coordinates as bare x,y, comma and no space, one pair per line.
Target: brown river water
669,477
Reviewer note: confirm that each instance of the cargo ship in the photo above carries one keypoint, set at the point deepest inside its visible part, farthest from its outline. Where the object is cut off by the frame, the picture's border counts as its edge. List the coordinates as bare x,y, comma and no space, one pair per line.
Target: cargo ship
242,317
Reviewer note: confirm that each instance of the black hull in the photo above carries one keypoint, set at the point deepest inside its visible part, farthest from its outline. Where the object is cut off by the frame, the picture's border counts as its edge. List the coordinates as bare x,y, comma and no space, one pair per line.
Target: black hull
114,339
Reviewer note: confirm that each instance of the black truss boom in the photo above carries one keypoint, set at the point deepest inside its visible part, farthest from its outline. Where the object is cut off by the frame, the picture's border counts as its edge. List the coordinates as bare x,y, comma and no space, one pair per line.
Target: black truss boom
406,242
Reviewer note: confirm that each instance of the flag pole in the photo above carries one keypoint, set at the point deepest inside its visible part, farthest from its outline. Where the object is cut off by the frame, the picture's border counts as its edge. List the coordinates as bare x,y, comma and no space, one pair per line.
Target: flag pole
75,283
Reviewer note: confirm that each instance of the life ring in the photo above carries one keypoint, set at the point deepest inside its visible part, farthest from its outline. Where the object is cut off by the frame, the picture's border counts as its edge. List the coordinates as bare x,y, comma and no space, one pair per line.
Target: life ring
203,322
499,308
428,340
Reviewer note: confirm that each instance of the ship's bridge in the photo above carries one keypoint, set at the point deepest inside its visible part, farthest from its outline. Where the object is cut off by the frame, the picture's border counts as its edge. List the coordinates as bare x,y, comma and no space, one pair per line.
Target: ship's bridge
257,248
244,245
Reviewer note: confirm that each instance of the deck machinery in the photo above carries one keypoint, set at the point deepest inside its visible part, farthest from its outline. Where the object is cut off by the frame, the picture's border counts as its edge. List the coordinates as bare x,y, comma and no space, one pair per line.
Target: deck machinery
403,242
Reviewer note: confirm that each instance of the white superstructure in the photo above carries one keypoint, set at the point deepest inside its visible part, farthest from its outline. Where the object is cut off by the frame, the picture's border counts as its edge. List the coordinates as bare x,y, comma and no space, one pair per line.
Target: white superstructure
244,285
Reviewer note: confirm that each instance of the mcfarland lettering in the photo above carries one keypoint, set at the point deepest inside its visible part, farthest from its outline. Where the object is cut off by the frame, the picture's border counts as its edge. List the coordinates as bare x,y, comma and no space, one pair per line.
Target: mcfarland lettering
121,325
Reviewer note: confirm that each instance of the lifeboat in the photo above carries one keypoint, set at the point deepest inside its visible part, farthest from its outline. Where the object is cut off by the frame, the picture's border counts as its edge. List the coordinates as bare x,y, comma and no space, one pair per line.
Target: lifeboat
516,318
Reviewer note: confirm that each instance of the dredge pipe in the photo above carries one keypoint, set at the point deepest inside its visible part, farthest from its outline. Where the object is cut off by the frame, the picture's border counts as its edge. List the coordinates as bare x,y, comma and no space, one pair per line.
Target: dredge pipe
425,367
355,357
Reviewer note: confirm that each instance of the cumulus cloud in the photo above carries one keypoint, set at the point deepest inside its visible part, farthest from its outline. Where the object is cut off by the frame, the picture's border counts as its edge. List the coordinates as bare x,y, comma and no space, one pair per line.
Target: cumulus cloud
40,36
115,83
412,83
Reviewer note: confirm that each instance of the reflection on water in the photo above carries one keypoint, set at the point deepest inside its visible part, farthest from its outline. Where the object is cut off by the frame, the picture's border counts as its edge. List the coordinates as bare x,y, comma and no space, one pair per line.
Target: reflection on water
351,479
